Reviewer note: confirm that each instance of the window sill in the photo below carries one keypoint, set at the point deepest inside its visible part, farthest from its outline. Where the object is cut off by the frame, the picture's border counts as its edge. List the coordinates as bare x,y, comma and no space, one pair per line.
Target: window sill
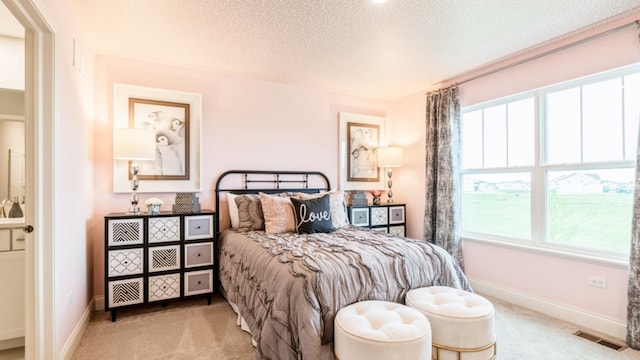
618,263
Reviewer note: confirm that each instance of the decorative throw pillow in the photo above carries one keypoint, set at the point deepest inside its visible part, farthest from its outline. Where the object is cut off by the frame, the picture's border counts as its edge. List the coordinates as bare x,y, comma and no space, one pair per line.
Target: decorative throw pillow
249,213
233,210
339,215
313,215
278,214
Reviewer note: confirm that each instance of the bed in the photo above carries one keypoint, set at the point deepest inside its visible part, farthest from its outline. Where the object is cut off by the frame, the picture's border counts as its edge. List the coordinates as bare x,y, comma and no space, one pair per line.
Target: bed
287,287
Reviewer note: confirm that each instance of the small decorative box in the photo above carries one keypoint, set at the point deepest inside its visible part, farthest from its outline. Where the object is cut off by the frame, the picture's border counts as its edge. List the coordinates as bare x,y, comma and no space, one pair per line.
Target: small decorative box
186,203
357,197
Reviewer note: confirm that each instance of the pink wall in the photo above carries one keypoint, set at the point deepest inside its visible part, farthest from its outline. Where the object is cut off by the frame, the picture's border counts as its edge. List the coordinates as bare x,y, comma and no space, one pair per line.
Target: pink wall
246,124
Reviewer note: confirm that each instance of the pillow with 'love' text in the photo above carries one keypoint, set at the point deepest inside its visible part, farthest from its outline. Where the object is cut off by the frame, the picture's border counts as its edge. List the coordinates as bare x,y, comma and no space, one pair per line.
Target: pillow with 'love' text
313,215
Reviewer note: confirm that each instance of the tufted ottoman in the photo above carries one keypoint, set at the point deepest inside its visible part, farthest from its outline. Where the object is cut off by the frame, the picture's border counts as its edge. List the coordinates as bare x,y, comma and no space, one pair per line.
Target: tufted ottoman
372,330
462,323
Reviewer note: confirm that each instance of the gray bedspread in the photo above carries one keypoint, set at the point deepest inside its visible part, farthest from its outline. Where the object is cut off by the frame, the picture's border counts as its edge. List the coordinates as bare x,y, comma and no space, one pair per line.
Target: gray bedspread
288,287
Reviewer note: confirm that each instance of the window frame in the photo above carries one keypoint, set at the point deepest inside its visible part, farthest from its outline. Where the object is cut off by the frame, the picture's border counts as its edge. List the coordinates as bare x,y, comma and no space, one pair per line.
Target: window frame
539,241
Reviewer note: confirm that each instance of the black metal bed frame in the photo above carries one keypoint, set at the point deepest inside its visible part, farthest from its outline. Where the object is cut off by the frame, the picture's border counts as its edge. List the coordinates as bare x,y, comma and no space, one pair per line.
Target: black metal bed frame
281,181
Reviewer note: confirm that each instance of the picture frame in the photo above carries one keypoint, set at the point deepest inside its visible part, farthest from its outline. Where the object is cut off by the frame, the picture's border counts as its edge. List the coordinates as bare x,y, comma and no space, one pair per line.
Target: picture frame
132,107
360,136
359,216
171,122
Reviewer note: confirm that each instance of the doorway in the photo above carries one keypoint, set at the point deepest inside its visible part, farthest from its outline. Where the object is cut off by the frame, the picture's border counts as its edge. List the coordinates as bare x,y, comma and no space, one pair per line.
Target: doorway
39,329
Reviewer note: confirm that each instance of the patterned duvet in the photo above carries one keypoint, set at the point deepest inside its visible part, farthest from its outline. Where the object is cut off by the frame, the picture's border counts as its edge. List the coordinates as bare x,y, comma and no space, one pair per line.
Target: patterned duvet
288,287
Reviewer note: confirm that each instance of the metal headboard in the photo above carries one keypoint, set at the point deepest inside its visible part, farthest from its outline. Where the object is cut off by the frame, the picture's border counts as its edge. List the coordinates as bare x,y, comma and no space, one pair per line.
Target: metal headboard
254,181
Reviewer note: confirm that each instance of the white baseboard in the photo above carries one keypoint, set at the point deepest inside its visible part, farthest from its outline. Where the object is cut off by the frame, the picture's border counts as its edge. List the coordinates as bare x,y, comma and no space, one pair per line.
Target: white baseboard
605,325
73,341
99,302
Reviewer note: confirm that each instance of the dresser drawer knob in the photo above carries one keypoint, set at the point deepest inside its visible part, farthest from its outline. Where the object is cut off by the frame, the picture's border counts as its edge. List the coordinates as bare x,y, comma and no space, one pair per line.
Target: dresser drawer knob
198,254
199,282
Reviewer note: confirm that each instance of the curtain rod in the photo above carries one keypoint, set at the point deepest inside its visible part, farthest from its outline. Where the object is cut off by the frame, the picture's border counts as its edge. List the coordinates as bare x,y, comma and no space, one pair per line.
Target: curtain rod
549,52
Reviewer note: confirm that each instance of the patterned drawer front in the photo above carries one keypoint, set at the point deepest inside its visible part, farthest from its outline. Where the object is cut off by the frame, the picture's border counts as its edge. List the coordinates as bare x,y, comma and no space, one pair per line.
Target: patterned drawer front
125,232
198,254
125,292
163,258
379,216
125,262
164,287
198,227
396,214
397,230
198,282
164,229
360,216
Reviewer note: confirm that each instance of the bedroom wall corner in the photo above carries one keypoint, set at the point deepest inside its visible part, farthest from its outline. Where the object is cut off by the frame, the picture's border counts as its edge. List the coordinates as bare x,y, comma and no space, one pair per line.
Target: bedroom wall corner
406,128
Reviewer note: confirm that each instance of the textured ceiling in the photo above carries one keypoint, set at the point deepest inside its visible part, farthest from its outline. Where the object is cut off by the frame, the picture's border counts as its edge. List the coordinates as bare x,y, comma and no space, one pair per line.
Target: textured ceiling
359,47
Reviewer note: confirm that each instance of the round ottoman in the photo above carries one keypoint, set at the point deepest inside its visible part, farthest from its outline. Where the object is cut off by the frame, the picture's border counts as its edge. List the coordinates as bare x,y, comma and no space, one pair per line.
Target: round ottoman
462,323
373,330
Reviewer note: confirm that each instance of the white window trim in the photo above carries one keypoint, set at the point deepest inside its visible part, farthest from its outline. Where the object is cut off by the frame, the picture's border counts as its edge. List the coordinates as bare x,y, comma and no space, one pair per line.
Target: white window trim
538,242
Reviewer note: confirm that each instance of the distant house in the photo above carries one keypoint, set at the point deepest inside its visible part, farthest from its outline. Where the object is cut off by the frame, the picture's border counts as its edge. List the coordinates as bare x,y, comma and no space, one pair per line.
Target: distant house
577,183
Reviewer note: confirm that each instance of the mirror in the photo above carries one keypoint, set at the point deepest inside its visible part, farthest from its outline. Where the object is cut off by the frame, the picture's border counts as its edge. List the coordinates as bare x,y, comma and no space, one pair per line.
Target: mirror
12,145
12,129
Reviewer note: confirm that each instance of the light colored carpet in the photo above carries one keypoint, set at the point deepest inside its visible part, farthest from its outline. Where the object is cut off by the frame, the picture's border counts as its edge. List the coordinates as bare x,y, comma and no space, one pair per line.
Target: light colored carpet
193,330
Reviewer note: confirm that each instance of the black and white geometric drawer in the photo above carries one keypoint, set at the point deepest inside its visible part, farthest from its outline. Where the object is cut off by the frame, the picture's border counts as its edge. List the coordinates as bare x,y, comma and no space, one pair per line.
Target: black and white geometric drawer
379,216
125,232
198,227
198,254
163,287
397,230
125,292
125,262
164,229
162,258
198,282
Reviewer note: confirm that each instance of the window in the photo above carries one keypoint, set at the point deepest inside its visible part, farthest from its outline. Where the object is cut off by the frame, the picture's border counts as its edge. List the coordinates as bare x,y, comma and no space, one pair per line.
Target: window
554,167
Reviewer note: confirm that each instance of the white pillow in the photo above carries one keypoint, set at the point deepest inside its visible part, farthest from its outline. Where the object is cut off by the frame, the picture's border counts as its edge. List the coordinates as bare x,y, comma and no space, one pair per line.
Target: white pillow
233,210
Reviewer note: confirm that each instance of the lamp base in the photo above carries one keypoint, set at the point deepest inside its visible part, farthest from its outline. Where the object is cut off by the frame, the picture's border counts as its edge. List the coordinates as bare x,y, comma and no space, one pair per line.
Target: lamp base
133,210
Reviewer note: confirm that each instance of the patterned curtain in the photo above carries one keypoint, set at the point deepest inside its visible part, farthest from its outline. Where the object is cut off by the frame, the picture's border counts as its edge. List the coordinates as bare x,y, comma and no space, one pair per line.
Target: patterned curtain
441,213
633,305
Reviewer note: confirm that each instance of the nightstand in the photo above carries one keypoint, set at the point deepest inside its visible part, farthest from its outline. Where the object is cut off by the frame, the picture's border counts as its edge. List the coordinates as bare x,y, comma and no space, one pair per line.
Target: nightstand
389,218
158,258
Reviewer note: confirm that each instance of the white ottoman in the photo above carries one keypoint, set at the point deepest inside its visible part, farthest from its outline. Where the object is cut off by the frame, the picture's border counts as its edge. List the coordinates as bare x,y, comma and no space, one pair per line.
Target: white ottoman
371,330
462,323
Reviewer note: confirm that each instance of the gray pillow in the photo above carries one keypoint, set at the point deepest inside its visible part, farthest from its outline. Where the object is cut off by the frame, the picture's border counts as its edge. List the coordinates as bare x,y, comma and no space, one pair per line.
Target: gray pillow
250,216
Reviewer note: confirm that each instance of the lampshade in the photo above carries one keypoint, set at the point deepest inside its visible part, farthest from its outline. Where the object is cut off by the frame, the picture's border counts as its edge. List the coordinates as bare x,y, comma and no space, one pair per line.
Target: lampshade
389,157
134,144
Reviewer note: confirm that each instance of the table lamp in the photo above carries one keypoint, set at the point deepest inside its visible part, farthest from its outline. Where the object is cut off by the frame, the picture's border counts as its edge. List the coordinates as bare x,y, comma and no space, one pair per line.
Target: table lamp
134,145
389,157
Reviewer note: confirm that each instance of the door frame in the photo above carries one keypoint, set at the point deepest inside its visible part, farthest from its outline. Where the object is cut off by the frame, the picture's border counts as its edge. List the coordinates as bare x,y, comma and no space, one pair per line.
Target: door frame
40,329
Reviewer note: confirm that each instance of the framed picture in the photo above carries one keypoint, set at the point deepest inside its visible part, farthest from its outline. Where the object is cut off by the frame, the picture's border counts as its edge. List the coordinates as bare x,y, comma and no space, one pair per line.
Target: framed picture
360,216
170,122
176,119
360,136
